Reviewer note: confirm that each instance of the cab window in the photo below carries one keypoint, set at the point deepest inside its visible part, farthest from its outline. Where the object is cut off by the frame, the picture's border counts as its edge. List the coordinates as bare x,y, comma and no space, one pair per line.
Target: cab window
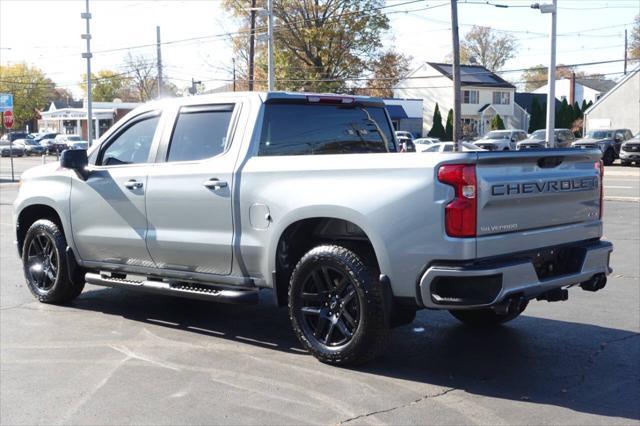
131,146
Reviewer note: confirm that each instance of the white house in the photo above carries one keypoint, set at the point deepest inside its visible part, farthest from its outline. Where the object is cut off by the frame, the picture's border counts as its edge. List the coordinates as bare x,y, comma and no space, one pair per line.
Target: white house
619,107
484,95
579,89
70,117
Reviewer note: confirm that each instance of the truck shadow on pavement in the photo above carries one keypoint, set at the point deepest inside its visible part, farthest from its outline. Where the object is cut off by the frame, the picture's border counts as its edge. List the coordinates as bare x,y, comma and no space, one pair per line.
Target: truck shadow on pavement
581,367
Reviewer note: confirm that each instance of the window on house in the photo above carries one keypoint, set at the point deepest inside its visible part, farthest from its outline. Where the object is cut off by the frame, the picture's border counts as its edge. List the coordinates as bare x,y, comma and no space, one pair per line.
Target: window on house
470,97
501,98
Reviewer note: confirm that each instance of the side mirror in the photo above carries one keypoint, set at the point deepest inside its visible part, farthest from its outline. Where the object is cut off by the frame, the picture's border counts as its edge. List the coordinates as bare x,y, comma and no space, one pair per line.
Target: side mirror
618,138
77,160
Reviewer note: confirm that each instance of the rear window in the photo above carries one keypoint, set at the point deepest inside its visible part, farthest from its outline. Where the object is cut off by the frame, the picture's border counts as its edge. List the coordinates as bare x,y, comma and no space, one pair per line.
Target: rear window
294,129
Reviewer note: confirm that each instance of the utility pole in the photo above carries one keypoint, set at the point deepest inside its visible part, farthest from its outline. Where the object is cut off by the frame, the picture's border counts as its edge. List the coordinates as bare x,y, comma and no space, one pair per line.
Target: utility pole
252,43
87,55
455,71
194,86
271,80
626,52
233,60
551,76
159,61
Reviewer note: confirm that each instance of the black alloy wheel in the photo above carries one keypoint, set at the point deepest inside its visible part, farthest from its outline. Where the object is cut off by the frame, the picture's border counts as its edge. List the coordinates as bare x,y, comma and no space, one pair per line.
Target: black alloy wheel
330,307
43,262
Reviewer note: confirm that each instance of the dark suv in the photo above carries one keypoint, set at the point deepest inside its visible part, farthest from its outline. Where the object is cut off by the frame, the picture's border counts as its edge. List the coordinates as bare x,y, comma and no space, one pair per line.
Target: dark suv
608,141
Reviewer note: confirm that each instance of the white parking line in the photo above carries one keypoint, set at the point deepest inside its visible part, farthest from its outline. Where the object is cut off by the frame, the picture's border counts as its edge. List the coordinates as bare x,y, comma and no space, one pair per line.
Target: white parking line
617,187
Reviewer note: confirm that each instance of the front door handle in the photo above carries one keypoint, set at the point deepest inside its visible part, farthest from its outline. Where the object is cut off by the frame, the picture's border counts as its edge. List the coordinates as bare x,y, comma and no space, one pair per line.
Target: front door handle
133,184
215,184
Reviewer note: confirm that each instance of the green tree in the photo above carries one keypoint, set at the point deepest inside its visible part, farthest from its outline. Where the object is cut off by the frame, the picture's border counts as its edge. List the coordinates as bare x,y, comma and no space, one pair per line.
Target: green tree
564,115
497,123
107,85
584,106
319,46
437,130
31,90
536,120
489,48
448,130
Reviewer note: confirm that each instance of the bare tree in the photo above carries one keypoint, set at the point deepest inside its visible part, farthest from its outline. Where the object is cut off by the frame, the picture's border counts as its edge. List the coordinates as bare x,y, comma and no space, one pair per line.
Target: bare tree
142,76
487,47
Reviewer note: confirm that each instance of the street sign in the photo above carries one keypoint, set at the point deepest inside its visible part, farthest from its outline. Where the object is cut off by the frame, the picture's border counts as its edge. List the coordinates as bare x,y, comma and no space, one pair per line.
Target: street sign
7,118
6,102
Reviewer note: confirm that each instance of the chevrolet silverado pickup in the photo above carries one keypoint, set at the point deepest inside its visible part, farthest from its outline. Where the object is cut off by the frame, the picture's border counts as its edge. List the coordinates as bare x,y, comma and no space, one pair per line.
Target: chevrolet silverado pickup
218,197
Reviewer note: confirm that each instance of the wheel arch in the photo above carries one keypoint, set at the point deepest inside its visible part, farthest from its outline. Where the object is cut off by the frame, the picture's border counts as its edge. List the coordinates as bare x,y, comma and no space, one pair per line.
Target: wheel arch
302,231
30,213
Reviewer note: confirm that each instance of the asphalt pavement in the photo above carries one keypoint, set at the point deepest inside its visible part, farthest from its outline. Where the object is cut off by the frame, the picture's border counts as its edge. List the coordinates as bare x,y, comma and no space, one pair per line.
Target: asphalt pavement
113,357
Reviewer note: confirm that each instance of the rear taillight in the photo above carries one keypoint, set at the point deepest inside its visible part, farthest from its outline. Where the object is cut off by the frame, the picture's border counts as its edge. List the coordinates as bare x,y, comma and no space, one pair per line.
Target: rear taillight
599,165
460,213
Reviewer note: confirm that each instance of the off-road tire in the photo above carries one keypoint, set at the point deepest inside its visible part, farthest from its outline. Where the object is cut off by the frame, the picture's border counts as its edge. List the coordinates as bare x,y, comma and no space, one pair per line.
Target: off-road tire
370,335
608,157
63,289
485,317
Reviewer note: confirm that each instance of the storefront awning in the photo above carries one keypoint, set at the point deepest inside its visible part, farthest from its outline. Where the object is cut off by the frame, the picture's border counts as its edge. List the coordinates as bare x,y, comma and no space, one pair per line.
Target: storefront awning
396,112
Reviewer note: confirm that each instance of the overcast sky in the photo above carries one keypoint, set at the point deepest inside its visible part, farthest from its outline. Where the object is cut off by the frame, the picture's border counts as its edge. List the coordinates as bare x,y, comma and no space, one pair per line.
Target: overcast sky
46,33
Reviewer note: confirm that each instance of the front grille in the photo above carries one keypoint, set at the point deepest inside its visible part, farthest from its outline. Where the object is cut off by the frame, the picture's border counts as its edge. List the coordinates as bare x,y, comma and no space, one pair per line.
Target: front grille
631,148
487,147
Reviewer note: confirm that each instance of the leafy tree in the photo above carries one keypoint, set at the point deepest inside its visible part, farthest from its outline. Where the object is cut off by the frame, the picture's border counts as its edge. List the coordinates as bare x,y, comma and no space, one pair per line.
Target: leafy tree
448,130
319,45
387,70
437,130
107,85
584,106
536,121
487,47
31,90
634,48
497,123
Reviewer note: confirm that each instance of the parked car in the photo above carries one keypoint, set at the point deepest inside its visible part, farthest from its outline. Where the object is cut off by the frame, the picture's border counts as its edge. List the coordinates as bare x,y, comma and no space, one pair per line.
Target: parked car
608,141
62,142
12,136
248,192
448,147
31,146
11,148
403,134
630,151
537,140
46,141
501,140
405,144
423,143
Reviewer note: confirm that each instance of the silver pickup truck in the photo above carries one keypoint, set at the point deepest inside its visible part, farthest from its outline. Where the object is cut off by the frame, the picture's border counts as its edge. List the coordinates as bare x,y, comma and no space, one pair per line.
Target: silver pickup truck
217,197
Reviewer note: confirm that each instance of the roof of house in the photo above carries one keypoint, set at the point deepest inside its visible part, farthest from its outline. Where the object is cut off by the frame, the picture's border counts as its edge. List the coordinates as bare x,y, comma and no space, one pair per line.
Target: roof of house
525,100
596,84
473,75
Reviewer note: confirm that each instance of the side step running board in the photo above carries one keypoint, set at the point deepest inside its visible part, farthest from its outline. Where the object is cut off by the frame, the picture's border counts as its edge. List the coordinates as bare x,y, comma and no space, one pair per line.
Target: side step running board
187,290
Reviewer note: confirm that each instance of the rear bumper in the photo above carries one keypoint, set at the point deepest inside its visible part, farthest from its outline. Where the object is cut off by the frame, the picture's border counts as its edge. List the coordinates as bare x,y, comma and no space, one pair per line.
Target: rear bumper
487,283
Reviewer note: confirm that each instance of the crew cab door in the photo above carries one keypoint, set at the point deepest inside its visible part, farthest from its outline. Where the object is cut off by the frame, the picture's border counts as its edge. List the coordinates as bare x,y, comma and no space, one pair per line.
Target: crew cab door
108,215
190,193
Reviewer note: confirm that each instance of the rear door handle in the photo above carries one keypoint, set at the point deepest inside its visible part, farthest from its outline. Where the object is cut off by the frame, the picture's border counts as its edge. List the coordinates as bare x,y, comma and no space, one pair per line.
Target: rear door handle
133,184
215,184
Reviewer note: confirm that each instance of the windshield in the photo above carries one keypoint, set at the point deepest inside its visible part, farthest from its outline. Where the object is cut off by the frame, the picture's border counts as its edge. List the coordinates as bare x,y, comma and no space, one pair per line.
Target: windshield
538,134
599,134
31,142
497,135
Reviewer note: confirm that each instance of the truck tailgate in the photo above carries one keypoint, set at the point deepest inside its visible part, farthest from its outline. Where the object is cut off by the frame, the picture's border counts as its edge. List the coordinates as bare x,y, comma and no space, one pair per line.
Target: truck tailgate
536,191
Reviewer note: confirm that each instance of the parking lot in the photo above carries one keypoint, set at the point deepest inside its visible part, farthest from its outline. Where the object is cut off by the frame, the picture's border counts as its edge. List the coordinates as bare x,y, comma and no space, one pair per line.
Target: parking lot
114,357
